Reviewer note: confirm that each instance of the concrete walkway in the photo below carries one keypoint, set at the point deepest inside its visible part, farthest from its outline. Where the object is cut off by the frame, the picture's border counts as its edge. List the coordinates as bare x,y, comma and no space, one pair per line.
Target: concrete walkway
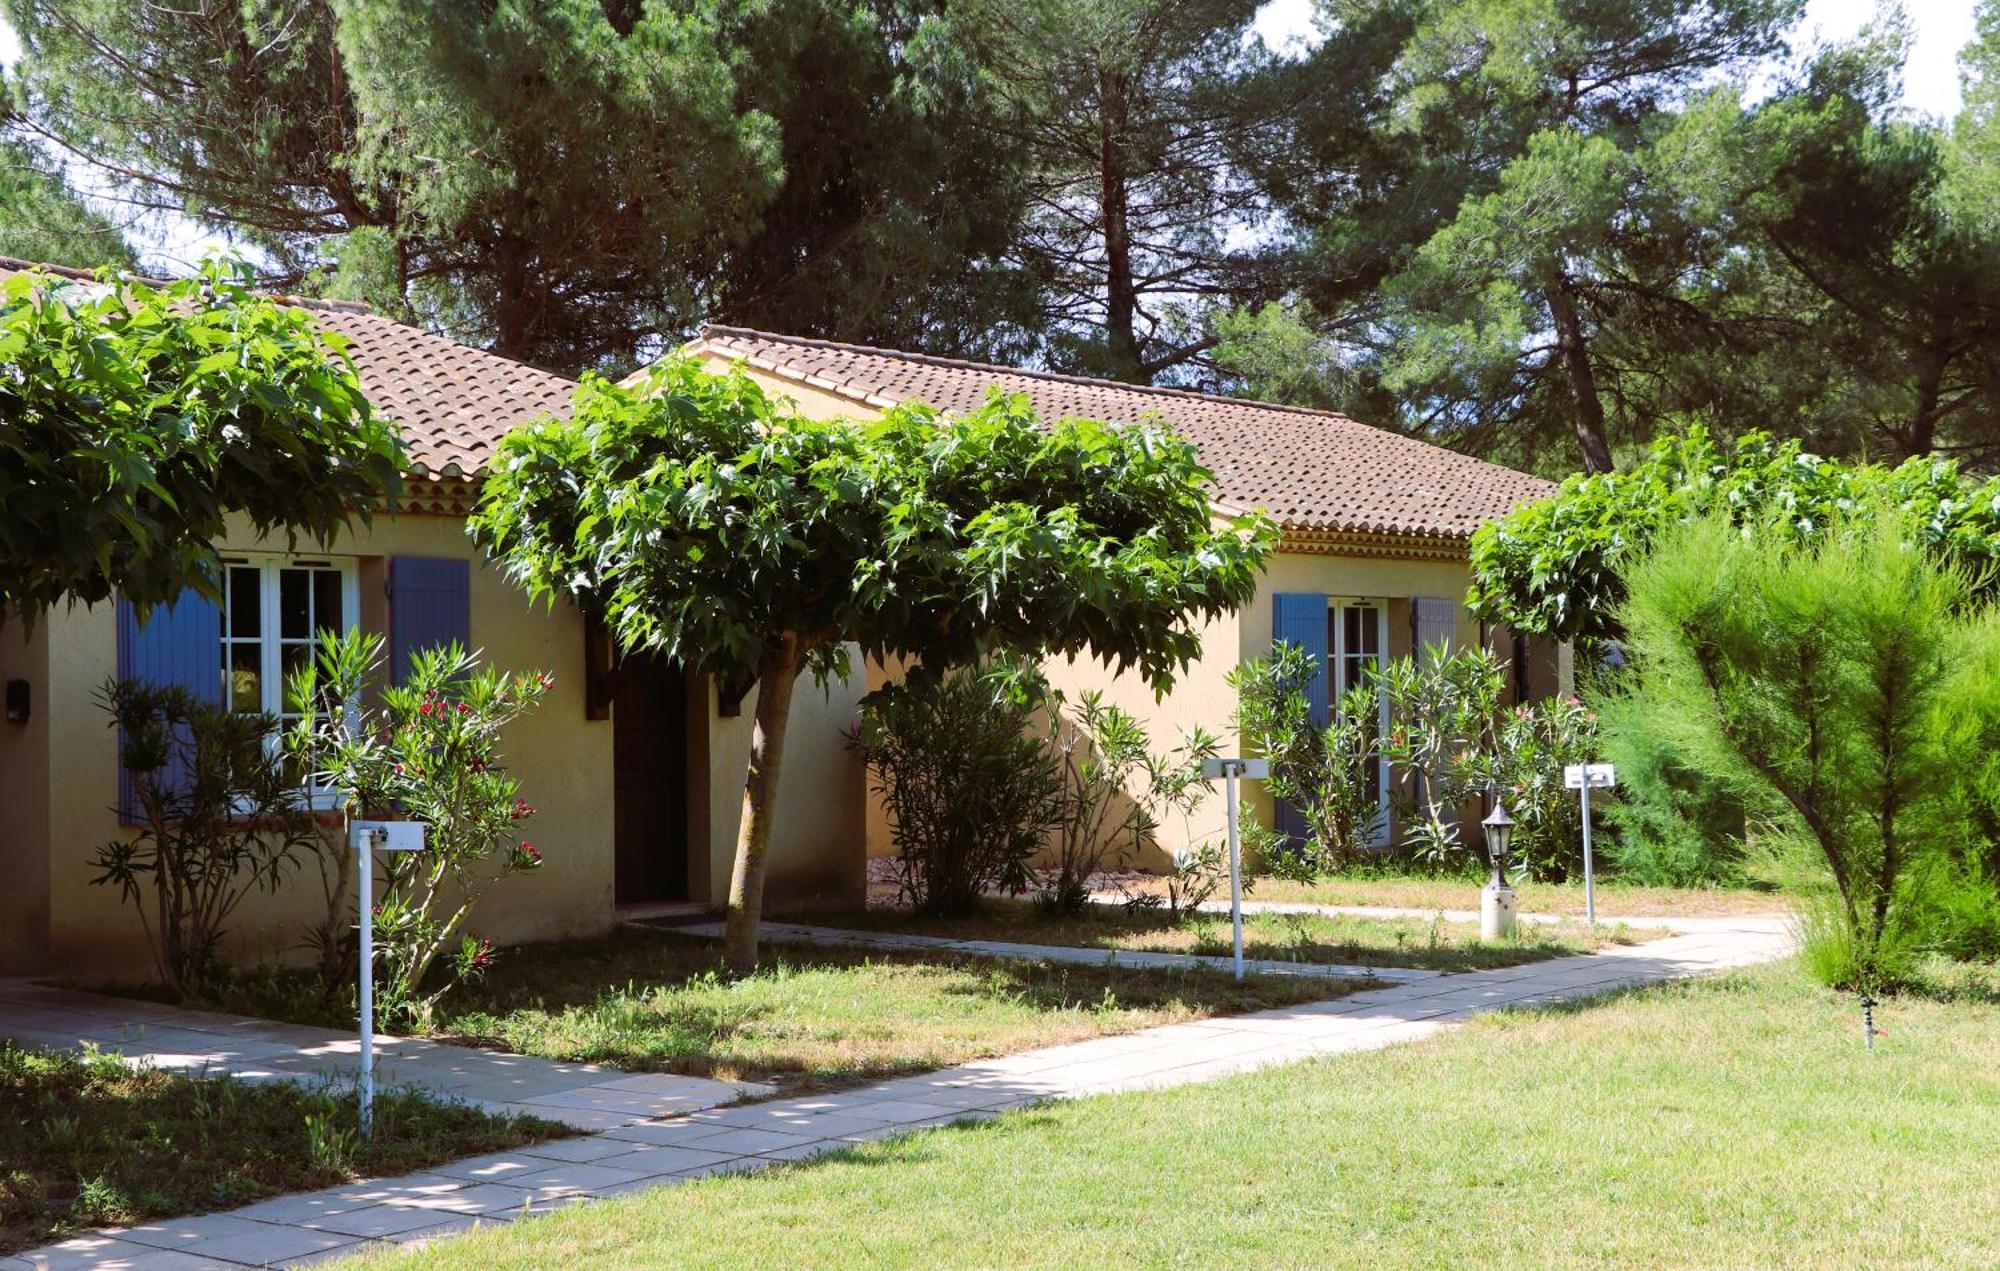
898,942
506,1186
167,1037
1722,922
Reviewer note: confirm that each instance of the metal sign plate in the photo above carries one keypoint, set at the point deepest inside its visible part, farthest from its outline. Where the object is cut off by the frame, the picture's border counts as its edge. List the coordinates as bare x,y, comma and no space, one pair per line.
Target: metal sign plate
387,836
1248,769
1601,775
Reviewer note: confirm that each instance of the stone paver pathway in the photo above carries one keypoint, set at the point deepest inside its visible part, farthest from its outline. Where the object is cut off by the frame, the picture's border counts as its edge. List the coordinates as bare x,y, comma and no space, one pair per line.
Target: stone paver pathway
1723,922
168,1037
506,1186
900,942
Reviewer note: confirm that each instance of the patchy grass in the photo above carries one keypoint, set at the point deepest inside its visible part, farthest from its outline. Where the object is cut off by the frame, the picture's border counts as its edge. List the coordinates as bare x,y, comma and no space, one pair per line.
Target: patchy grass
1427,943
1614,900
651,1001
88,1141
1731,1122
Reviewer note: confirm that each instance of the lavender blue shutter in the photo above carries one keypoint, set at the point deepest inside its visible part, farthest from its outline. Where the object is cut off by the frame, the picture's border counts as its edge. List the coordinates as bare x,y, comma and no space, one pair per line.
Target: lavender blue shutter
179,644
430,606
1300,618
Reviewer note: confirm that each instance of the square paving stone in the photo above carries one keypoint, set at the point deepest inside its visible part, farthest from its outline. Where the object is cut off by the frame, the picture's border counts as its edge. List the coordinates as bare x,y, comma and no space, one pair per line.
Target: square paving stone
378,1221
273,1244
567,1179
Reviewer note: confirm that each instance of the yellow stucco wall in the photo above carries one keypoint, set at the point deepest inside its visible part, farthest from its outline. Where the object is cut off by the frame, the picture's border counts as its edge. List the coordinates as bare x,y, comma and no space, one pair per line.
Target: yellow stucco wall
24,801
818,844
58,780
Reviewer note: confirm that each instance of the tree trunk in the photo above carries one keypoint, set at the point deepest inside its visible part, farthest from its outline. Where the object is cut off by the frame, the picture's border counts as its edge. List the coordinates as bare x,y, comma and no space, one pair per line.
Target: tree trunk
1121,293
775,678
1922,437
1574,348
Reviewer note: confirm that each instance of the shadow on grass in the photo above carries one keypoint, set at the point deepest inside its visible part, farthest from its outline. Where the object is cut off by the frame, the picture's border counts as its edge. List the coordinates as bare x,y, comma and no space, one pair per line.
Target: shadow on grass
88,1141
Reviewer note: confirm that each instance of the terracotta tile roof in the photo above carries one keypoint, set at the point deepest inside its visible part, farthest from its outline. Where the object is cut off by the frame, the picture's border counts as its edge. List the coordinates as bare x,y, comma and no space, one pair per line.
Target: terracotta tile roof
1311,470
452,402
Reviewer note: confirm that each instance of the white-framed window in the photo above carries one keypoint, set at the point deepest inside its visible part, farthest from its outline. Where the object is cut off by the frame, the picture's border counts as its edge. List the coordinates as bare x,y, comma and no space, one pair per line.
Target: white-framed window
273,611
1358,640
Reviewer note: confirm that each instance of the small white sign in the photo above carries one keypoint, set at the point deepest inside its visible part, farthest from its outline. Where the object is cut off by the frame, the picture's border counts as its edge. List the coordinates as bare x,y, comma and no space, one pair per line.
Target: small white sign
1602,775
387,836
1247,769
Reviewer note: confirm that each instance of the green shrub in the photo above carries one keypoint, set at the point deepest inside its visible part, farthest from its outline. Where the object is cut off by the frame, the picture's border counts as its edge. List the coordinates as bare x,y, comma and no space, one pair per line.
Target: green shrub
428,749
970,787
1843,682
1115,790
1558,566
1323,772
219,818
1531,746
1442,710
1671,825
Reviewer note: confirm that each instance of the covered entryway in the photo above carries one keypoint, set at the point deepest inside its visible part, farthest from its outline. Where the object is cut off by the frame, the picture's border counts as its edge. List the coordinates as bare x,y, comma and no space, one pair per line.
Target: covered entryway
649,714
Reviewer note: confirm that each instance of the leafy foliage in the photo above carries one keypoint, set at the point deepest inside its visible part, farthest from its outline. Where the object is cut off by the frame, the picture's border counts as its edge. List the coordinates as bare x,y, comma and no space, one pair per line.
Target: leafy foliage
1447,741
1556,567
429,752
720,529
1499,204
139,417
970,790
1442,712
219,818
1115,791
1674,824
1532,744
1323,772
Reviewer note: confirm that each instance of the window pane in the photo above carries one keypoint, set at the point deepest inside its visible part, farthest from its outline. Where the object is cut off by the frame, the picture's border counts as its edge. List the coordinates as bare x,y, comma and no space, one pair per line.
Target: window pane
295,603
245,600
246,677
326,601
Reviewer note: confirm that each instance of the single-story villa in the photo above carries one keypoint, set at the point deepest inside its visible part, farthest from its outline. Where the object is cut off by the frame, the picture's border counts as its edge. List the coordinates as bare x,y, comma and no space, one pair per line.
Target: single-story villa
637,770
1372,563
637,777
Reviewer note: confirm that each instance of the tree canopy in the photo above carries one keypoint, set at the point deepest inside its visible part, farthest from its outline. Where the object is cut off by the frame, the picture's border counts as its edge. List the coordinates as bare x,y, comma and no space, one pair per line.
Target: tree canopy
1558,567
1130,117
717,527
42,219
136,418
569,182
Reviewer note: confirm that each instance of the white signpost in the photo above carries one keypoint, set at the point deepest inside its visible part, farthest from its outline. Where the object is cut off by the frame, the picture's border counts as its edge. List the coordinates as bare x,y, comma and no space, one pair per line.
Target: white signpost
368,838
1231,771
1585,776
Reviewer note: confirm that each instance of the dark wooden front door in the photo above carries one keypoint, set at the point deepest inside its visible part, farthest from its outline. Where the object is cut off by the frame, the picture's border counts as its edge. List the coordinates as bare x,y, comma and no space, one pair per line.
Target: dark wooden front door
649,742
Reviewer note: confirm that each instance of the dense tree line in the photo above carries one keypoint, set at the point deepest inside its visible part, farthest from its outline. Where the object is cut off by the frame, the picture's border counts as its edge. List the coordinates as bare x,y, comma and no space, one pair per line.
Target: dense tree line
1545,230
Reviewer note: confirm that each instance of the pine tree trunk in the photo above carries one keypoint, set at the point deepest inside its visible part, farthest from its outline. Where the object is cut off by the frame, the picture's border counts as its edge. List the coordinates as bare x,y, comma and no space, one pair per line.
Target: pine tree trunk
1121,292
1922,436
1574,348
775,678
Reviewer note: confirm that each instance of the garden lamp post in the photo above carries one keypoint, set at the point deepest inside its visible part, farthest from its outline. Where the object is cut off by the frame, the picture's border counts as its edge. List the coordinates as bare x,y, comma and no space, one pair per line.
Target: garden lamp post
1496,899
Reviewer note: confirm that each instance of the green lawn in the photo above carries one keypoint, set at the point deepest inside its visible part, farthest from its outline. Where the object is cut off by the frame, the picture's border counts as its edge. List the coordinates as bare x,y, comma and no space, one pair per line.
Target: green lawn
88,1142
652,1001
1614,899
1428,943
1730,1122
